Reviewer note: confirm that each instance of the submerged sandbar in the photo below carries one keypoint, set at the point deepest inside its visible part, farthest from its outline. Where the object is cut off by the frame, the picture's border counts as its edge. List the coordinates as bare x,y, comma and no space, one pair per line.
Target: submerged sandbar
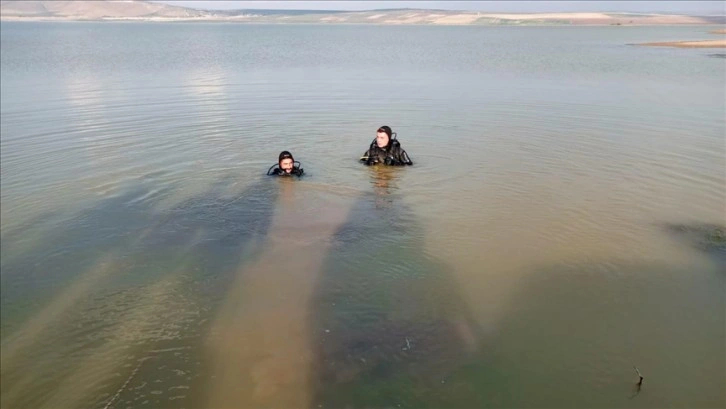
690,44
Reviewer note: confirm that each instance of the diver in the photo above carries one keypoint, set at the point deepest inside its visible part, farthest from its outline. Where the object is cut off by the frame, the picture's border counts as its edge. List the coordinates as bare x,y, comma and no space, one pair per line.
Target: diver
286,166
386,150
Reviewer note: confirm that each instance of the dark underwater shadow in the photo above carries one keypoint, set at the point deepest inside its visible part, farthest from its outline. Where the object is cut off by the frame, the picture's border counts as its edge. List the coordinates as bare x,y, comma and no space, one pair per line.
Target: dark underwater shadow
135,231
389,325
707,238
77,287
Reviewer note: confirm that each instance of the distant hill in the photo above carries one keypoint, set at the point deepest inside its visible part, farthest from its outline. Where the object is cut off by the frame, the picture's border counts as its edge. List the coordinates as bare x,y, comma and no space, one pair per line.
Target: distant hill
263,12
95,10
150,11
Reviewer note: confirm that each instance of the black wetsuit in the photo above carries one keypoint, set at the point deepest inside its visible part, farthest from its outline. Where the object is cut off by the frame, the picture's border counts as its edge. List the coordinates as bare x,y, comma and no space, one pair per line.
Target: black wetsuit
276,171
391,155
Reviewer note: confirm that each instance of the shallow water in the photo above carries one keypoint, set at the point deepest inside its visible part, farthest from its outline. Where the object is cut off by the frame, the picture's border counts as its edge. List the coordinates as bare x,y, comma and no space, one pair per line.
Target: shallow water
563,221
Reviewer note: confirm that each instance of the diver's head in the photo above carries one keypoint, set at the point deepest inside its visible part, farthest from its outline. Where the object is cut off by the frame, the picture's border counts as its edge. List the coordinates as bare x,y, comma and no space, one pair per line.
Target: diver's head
286,161
383,136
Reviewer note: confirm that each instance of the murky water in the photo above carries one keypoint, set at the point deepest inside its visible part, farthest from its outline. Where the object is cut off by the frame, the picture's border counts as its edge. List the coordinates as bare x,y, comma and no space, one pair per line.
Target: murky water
563,222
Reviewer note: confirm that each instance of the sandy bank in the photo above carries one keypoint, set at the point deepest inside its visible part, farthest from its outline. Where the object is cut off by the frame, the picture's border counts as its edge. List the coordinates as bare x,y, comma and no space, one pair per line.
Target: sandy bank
690,44
721,31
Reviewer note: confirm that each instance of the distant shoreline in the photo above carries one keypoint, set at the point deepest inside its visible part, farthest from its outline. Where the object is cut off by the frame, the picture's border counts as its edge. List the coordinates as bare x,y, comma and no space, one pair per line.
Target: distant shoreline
525,23
152,12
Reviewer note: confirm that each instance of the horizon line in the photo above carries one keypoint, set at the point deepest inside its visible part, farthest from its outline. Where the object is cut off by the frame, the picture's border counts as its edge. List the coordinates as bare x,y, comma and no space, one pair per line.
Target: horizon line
508,7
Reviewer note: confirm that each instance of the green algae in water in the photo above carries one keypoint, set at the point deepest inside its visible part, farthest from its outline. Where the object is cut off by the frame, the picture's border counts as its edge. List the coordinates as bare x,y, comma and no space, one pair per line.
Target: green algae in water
710,238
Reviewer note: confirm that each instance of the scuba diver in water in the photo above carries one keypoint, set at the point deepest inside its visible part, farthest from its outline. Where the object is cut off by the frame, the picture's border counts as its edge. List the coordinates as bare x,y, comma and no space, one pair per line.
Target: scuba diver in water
386,150
286,166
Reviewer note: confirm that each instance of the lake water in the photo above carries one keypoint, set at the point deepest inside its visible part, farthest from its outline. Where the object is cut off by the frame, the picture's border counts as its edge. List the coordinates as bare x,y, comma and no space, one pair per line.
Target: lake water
562,223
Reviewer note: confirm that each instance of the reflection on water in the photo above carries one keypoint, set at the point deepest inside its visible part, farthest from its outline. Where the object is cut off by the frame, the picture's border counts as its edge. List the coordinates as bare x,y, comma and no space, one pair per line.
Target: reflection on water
384,185
562,224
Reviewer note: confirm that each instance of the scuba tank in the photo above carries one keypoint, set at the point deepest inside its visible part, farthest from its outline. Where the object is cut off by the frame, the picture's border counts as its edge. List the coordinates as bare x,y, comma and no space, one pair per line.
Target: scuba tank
393,144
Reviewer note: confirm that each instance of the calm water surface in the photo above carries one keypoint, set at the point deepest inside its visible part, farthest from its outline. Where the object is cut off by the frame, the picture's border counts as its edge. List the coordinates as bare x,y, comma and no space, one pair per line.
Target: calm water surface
562,224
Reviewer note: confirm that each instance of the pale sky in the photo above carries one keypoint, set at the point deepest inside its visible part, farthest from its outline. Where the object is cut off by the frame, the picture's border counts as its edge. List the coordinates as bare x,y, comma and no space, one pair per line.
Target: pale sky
691,7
